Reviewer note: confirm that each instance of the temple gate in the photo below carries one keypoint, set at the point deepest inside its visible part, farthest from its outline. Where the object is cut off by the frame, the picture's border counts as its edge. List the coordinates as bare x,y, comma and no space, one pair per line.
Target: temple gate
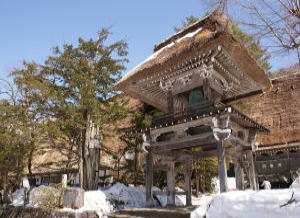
193,76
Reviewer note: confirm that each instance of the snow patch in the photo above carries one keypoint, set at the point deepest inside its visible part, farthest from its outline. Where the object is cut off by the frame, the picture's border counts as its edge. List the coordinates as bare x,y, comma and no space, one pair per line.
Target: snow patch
96,201
18,197
266,184
203,203
189,35
249,204
231,184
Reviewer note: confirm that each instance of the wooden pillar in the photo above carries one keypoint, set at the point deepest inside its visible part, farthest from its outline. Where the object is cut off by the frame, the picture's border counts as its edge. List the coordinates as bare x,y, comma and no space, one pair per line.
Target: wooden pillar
251,170
197,183
170,102
149,179
188,185
171,184
222,166
207,92
239,175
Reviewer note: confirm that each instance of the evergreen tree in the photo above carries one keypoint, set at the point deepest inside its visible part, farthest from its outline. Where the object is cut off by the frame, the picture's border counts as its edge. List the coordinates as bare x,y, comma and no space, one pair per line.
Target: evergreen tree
72,92
32,97
80,81
14,136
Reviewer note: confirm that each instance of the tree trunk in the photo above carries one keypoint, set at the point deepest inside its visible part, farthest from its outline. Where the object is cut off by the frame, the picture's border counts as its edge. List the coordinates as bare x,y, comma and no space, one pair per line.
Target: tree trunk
90,158
5,187
29,165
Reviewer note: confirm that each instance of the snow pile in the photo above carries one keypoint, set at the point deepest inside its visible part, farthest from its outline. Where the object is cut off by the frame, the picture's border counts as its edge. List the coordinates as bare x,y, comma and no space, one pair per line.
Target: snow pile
122,196
18,197
96,201
296,183
203,203
249,204
266,184
230,184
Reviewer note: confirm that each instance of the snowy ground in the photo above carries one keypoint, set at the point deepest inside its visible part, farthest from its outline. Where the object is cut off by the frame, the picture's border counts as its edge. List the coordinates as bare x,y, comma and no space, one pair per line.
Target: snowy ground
107,200
276,203
234,204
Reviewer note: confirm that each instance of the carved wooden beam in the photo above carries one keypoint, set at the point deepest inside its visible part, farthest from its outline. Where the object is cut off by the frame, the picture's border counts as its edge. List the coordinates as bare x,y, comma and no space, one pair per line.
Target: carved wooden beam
187,142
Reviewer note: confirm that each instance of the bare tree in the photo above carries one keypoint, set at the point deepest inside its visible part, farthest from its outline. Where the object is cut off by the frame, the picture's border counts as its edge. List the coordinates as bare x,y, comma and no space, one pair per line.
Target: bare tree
7,91
276,23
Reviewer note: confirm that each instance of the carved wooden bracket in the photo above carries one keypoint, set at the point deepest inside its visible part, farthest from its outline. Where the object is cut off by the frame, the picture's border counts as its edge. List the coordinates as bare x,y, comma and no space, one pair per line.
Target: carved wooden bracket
220,127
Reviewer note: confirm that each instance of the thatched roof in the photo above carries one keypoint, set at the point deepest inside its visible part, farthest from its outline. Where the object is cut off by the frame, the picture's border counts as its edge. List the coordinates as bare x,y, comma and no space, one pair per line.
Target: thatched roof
202,38
58,156
277,110
53,156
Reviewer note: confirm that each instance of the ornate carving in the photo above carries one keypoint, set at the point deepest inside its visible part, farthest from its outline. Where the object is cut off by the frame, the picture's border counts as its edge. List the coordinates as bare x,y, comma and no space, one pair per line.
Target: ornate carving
194,78
220,128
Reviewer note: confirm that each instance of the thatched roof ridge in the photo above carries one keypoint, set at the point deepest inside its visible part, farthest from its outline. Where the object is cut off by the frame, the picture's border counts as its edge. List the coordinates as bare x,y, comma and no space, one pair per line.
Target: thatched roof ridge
215,16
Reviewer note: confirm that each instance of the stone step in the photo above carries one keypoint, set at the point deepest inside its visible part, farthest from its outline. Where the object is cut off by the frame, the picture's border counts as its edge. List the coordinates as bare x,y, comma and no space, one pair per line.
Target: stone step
174,212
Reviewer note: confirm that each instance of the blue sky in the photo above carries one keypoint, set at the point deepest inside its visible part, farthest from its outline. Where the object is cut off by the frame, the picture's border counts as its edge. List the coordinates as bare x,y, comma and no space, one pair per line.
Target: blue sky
30,28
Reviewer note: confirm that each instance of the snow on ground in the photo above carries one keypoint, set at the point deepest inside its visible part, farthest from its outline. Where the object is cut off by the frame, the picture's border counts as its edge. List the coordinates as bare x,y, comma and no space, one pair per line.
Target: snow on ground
203,203
115,197
230,183
249,204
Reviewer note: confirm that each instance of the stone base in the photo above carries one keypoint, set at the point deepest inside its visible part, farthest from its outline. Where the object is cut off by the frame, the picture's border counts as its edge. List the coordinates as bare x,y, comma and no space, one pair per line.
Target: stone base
73,198
23,212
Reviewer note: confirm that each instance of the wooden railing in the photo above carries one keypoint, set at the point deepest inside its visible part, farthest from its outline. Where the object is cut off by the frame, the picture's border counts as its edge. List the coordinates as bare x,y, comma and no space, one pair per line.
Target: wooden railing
196,110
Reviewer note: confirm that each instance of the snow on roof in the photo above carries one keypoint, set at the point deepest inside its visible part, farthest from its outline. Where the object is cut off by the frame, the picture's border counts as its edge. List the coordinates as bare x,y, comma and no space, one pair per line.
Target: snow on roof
156,53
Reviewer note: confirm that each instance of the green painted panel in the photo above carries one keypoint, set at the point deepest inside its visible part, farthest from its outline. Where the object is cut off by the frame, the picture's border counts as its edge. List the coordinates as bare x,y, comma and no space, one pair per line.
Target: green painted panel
195,97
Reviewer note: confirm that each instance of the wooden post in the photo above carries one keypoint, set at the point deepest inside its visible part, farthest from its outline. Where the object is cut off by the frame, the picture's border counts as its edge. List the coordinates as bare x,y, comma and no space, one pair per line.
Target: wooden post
149,179
251,170
207,92
171,184
239,175
170,102
197,183
188,186
222,166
